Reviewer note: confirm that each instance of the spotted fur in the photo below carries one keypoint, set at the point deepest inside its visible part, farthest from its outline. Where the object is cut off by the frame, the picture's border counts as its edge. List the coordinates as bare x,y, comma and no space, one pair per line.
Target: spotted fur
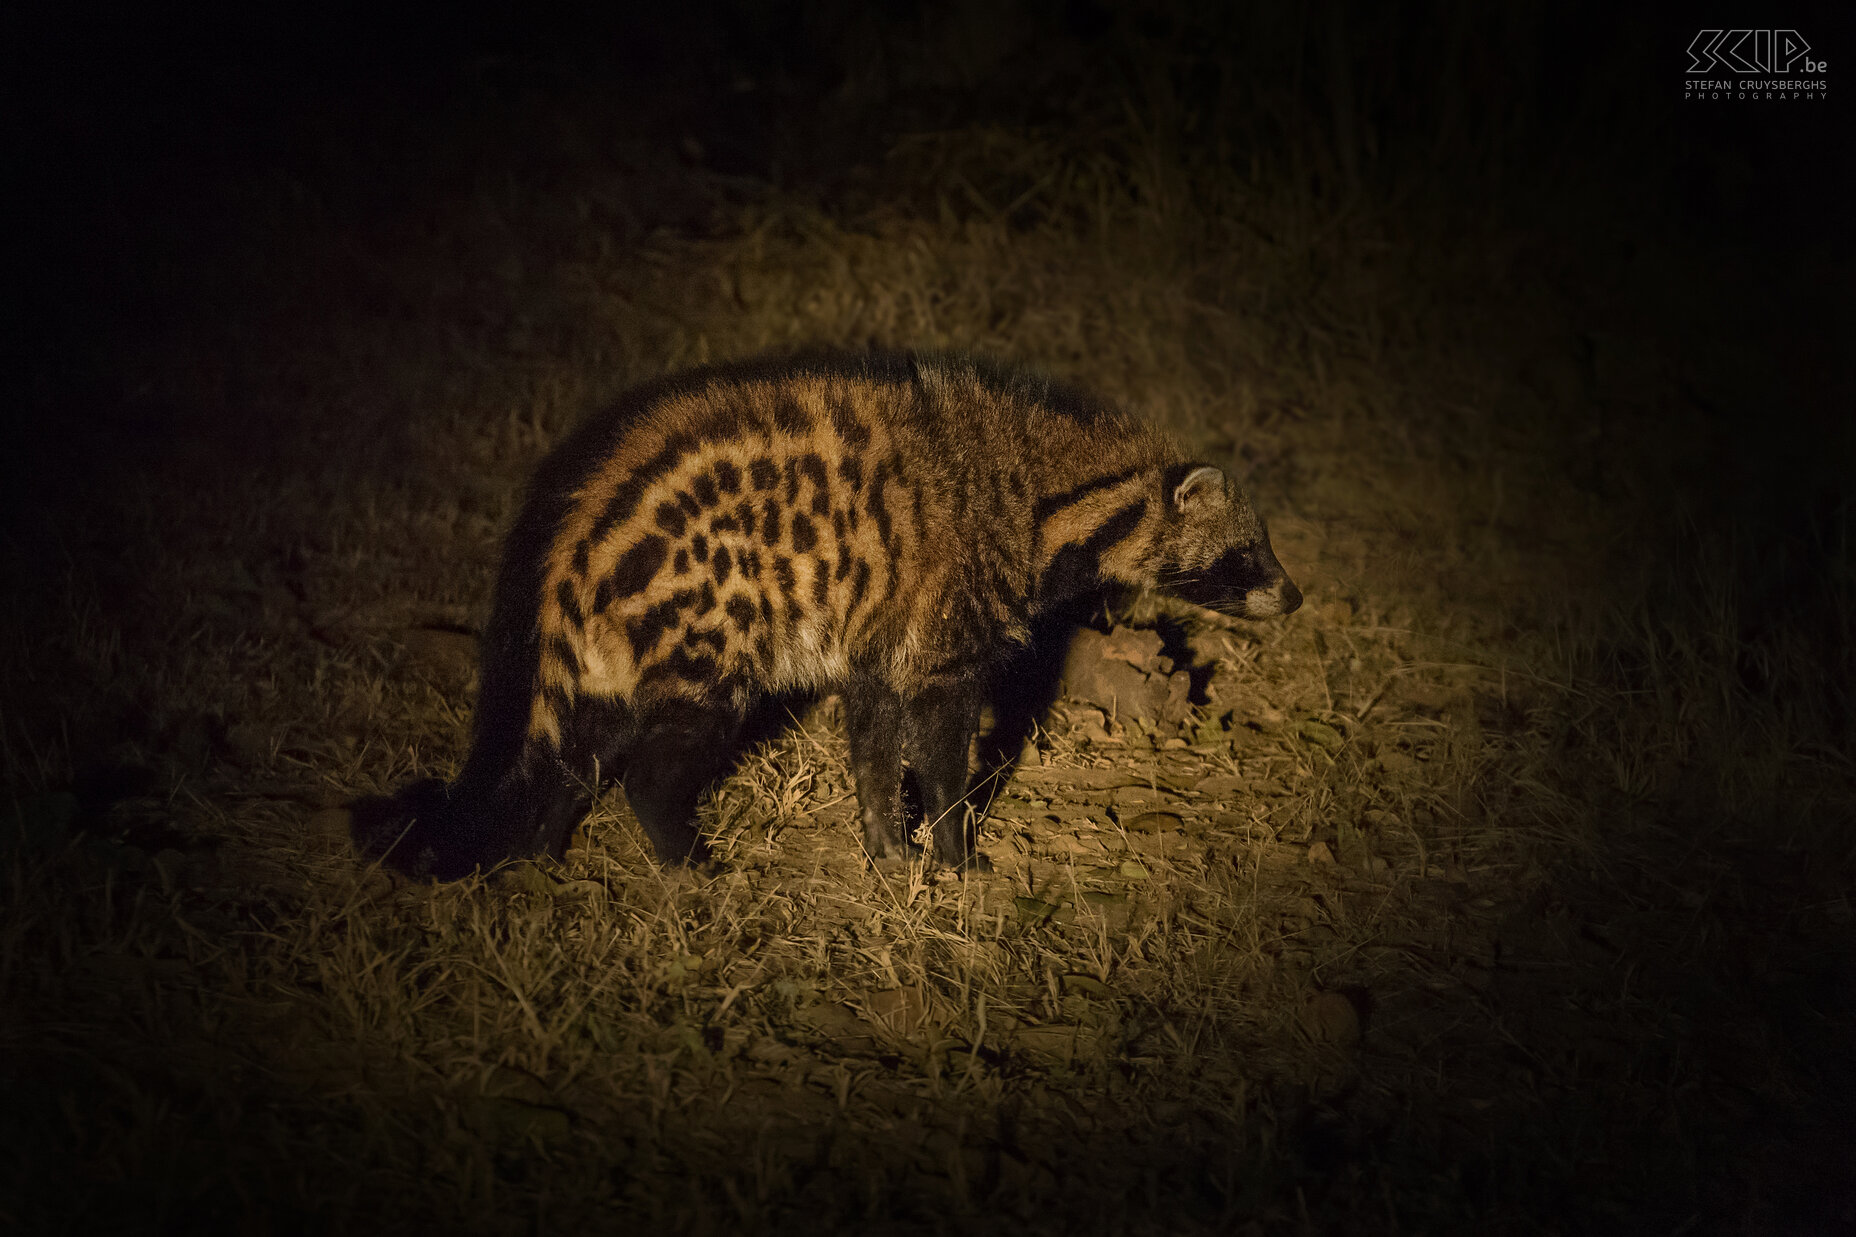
886,526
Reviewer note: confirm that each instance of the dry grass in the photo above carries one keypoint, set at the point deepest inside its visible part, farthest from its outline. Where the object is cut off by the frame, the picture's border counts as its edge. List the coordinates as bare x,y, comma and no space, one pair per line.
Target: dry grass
1510,886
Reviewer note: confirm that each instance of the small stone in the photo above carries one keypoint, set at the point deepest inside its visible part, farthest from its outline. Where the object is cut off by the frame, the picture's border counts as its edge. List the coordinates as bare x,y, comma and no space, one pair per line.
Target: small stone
579,891
1318,852
897,1010
1321,735
1330,1018
1211,734
1156,822
1176,707
1222,785
1211,645
1140,649
524,877
1266,717
1112,671
1138,796
1054,1042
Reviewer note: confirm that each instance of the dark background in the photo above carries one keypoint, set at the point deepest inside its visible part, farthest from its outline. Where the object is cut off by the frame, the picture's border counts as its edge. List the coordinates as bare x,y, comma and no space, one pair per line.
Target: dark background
155,157
132,129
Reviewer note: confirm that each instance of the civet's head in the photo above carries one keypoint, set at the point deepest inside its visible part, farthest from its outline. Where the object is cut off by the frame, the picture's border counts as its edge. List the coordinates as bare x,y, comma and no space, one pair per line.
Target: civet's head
1214,551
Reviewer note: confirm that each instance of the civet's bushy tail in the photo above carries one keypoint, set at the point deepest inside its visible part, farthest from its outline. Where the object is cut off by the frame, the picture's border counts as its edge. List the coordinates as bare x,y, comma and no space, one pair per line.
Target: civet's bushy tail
886,526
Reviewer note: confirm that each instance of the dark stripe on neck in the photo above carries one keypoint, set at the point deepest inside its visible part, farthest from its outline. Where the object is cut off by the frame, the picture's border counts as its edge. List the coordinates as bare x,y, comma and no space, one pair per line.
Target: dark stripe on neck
1051,504
1077,568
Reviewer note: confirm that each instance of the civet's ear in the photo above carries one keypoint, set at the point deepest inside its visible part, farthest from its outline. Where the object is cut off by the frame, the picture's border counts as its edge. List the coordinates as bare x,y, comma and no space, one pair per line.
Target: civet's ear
1201,489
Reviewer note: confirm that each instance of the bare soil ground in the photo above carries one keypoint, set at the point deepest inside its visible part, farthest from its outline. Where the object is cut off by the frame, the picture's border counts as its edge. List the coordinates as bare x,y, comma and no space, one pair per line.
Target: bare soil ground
1504,887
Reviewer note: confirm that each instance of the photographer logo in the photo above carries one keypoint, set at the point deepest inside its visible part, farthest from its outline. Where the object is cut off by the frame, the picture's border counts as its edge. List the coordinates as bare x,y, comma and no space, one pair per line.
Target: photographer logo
1754,65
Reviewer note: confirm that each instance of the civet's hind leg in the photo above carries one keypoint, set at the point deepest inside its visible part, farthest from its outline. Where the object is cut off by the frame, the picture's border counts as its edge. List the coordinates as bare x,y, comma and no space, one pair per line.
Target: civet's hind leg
938,727
873,724
679,753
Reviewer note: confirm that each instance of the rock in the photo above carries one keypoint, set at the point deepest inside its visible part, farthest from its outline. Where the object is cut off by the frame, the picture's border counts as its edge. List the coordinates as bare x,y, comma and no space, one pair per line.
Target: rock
576,892
897,1010
523,877
1265,717
1210,734
1212,645
1113,671
1140,649
768,1051
1155,822
1121,689
849,1032
1086,645
1138,796
1330,1018
1321,735
1053,1042
1177,705
1318,852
